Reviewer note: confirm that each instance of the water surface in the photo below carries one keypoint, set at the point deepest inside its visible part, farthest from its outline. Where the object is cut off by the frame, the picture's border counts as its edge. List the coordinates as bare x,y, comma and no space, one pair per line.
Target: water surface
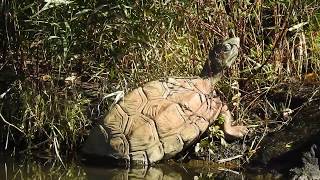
47,169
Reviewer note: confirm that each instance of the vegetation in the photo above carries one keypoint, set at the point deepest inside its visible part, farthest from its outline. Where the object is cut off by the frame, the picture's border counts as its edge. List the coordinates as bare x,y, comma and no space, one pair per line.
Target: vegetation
64,62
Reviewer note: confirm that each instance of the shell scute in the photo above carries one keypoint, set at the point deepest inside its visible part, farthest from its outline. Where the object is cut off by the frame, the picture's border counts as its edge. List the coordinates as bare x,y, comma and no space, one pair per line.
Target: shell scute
120,146
155,90
155,107
202,123
189,133
202,86
172,145
134,102
155,153
142,133
170,120
117,120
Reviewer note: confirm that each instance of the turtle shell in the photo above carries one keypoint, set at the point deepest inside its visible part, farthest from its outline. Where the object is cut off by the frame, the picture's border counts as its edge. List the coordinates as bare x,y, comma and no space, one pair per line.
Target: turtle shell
160,119
163,117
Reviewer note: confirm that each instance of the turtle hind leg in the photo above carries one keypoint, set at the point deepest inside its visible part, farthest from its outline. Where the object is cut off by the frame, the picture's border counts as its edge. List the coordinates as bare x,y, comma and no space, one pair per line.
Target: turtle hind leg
229,130
101,147
148,156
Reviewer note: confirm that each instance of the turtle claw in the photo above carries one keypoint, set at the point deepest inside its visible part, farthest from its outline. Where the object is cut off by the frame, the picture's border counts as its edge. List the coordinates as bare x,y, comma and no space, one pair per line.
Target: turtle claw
236,131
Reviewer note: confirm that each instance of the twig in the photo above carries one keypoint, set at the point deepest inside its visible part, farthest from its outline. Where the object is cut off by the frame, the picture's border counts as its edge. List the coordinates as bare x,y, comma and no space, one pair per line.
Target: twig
4,120
306,103
35,146
228,170
263,135
230,159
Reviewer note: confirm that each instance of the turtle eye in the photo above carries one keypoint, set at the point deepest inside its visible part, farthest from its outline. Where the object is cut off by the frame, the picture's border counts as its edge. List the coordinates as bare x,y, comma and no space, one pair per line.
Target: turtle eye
227,47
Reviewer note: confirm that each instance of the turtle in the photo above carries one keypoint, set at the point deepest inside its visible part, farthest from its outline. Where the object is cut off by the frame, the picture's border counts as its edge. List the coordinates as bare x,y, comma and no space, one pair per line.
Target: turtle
163,117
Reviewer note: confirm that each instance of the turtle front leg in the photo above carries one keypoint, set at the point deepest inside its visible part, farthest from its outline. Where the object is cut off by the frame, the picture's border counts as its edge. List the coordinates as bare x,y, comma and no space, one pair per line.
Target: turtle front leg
234,131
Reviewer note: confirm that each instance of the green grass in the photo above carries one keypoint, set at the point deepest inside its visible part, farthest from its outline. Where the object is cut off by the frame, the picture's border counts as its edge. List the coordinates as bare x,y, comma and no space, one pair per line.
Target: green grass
119,45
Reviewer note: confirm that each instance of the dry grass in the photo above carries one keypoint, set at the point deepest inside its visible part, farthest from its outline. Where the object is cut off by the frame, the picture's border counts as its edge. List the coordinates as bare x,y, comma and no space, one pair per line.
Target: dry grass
61,60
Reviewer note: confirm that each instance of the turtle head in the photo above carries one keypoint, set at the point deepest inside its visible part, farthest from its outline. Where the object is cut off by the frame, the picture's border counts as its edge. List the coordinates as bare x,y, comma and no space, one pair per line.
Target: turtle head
221,57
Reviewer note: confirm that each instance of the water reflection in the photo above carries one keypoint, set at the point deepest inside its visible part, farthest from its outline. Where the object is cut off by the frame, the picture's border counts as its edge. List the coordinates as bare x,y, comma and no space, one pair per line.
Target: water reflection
49,169
28,169
135,173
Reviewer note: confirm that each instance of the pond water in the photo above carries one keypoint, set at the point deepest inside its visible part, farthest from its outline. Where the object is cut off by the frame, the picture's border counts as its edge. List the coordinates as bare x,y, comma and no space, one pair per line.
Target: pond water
196,169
